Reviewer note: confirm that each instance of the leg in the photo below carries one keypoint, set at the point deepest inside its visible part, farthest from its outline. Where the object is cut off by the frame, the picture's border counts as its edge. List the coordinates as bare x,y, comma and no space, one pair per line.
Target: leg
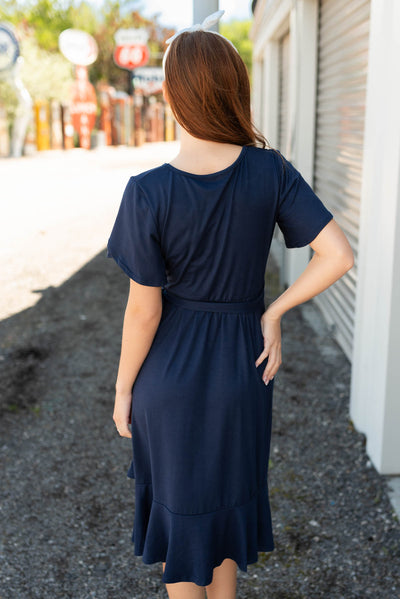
224,580
184,590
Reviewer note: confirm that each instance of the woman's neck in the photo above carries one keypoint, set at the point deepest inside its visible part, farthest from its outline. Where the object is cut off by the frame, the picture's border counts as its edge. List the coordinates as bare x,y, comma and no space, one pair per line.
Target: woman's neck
194,145
203,156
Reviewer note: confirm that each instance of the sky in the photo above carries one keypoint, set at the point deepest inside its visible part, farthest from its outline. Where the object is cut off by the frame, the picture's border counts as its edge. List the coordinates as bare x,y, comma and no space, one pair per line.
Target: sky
179,13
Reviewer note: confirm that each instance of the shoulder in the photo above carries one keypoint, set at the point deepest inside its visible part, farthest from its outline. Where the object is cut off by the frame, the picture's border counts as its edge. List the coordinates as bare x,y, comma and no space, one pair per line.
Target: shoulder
266,155
270,160
151,184
146,191
150,178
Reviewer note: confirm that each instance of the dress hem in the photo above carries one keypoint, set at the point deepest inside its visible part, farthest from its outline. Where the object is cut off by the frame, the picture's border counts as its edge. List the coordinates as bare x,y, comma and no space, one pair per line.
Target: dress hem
193,545
242,567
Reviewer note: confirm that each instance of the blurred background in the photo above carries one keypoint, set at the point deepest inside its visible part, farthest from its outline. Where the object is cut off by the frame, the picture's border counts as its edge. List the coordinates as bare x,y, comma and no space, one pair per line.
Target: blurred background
81,110
99,84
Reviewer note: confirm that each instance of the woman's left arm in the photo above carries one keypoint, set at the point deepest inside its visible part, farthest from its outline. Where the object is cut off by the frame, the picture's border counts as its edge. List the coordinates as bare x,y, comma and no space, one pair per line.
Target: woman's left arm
142,317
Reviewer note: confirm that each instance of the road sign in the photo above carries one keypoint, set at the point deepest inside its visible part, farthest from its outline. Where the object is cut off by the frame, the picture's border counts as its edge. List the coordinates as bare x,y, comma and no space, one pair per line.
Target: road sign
125,37
78,47
84,106
148,80
9,47
131,56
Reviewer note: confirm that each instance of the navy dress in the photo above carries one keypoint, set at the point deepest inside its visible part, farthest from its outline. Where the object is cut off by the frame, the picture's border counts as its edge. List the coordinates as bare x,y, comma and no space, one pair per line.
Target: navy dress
201,414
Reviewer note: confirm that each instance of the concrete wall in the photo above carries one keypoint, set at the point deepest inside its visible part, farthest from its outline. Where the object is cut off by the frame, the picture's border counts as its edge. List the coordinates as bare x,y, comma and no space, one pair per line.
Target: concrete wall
375,389
271,22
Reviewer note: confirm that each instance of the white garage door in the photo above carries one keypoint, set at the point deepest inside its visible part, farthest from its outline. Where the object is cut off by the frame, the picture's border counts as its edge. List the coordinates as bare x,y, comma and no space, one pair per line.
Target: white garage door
341,91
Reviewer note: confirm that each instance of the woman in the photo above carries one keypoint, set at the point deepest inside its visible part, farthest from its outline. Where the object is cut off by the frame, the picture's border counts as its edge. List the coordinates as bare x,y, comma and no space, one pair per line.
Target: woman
199,351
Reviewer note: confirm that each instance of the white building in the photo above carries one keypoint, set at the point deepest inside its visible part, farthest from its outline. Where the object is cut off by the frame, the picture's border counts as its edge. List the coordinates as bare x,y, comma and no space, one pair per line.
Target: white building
326,92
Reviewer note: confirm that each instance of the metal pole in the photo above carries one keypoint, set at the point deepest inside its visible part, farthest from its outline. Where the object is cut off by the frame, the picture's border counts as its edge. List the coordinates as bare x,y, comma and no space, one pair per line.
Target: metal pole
203,8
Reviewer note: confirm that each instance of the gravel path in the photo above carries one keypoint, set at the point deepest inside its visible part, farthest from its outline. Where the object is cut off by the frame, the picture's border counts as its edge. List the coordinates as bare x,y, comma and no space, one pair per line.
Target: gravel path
67,506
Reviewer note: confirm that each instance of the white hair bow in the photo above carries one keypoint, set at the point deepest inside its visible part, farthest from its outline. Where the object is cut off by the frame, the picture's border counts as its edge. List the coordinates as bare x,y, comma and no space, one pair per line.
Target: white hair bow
204,26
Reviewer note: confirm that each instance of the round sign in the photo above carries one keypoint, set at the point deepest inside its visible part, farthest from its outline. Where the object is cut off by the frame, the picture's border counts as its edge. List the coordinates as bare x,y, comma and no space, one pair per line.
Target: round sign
9,47
78,46
131,56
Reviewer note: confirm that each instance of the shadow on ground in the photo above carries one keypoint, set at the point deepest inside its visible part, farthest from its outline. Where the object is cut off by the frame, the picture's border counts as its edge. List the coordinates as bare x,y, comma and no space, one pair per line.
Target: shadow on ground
67,506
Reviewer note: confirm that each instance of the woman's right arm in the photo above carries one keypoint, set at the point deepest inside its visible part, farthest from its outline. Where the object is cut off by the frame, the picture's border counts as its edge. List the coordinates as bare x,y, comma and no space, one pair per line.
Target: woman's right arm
332,258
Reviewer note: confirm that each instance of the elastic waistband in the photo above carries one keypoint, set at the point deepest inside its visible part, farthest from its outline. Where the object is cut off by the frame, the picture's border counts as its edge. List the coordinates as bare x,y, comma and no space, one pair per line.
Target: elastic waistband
232,307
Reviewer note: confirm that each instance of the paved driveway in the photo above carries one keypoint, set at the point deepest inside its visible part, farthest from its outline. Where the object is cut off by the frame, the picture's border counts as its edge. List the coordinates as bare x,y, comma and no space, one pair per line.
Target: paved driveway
57,210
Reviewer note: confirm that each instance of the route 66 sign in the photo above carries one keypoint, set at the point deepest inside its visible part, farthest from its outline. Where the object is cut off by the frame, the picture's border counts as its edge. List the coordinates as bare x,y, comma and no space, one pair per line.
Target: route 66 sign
131,56
132,50
9,47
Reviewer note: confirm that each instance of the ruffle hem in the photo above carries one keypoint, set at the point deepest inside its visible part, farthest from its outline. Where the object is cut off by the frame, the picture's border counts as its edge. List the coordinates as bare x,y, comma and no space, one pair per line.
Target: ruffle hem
193,545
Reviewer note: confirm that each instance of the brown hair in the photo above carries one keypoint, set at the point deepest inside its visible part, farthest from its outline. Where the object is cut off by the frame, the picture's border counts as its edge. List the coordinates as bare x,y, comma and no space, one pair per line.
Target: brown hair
208,89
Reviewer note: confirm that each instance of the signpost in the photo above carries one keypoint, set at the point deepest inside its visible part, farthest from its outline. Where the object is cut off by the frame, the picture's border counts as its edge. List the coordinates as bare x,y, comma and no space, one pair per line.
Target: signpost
81,49
130,53
148,80
9,47
84,106
10,65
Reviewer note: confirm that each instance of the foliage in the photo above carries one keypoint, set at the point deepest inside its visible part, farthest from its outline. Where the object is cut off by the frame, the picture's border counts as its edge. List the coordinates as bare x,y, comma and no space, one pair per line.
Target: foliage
238,33
46,75
47,19
104,69
11,11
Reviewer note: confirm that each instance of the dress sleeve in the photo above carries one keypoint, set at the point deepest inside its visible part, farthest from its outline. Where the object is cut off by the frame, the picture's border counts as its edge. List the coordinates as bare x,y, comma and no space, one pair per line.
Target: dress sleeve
300,213
134,242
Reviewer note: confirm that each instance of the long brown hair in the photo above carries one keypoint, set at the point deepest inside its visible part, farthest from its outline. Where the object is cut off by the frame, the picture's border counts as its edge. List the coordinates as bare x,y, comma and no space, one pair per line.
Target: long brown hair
208,89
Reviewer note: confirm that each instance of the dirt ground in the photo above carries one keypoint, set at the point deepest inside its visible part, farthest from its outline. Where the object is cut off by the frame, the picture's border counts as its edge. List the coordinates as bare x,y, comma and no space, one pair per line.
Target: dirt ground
67,506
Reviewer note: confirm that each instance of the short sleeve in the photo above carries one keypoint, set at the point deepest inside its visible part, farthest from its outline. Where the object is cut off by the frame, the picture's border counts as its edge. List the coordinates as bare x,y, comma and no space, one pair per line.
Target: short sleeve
300,213
134,242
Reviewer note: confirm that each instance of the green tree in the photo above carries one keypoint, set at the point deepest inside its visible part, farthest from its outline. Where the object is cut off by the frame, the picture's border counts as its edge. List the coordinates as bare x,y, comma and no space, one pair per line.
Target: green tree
44,20
11,11
238,33
48,19
46,75
113,18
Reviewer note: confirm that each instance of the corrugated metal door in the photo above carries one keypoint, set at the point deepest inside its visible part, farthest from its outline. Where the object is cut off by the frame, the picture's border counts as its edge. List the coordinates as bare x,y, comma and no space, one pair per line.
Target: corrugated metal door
341,91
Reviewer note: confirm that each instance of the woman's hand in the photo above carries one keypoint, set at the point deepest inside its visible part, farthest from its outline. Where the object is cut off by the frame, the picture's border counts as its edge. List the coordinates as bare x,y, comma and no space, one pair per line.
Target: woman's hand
271,330
122,413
